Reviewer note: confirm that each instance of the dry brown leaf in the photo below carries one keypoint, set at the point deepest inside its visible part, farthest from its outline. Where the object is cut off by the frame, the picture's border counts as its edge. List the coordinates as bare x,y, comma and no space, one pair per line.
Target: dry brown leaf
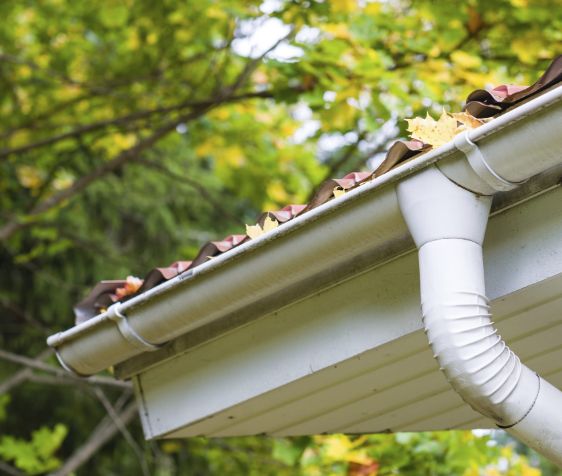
132,285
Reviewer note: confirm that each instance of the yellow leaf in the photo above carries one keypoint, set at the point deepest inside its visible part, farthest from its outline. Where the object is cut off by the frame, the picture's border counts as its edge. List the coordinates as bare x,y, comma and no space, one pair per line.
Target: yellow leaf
507,451
24,71
277,192
269,224
124,141
133,40
465,60
527,470
530,47
20,138
343,6
177,17
63,180
437,133
255,231
182,35
216,12
233,155
29,177
470,122
433,132
373,8
204,149
337,30
151,38
339,116
435,51
170,447
338,192
337,447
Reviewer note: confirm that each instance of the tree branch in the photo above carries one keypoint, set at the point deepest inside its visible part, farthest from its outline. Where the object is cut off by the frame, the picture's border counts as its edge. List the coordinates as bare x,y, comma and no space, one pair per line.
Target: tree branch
38,365
180,179
136,116
227,95
83,182
10,470
122,429
104,432
22,315
252,65
22,375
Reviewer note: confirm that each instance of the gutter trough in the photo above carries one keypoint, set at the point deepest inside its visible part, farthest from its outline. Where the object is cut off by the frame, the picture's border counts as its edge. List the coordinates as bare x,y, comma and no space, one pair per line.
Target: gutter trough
360,230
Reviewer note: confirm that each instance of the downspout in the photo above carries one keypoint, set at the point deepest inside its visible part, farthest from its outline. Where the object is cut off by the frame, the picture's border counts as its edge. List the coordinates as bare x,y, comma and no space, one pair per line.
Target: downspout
448,223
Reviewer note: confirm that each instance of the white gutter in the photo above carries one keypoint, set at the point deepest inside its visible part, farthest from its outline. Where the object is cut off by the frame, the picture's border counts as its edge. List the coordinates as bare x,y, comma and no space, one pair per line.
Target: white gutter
274,269
360,229
448,224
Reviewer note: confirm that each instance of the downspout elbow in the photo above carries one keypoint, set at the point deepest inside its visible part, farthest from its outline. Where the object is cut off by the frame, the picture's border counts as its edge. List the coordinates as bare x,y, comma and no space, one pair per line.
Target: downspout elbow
448,224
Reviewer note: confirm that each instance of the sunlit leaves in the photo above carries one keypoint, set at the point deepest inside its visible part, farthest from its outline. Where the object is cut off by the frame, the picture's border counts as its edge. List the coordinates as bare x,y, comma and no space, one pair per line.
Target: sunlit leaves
30,177
441,131
37,455
465,60
255,231
459,453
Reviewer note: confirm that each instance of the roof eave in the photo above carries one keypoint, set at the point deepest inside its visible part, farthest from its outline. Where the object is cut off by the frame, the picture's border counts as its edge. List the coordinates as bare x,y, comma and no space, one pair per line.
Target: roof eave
344,237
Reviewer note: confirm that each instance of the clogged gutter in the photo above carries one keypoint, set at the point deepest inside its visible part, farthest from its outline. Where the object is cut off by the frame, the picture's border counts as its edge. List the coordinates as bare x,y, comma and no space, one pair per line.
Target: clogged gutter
480,106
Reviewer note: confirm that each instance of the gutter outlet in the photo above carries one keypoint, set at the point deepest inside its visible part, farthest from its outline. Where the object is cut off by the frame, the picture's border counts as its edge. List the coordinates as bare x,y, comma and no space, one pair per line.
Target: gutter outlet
448,224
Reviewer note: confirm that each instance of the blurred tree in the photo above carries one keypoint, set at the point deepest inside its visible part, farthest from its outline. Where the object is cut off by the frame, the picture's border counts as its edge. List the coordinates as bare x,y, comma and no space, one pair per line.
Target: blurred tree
133,131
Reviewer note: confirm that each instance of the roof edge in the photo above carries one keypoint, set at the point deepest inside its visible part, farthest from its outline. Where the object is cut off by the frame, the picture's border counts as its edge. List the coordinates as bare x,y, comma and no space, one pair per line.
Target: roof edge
368,219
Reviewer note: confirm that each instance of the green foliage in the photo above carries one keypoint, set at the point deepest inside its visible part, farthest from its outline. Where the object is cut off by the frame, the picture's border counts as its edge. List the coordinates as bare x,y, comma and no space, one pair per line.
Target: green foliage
459,453
134,131
37,455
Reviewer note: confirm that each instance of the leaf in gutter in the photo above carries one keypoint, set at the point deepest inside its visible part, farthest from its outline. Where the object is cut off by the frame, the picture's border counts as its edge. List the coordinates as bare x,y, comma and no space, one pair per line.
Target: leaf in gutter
338,192
467,120
433,132
437,133
254,231
132,285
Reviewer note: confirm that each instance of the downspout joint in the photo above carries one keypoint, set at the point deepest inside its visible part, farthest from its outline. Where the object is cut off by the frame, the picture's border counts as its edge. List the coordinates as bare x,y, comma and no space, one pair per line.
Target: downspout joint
448,224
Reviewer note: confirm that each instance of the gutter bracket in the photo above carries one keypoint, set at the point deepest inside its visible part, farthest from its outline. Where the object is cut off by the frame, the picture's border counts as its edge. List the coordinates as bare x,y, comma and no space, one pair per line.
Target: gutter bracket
478,163
115,314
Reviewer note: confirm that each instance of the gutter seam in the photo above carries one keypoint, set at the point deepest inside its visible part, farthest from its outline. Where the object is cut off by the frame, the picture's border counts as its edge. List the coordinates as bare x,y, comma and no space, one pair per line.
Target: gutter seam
505,427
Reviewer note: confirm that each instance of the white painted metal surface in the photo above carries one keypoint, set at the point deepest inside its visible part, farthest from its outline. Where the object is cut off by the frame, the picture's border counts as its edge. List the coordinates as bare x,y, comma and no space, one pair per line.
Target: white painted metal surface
457,318
353,358
284,265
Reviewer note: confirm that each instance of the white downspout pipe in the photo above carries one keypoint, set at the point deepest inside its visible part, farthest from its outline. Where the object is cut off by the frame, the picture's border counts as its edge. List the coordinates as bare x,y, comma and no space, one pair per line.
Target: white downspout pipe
448,224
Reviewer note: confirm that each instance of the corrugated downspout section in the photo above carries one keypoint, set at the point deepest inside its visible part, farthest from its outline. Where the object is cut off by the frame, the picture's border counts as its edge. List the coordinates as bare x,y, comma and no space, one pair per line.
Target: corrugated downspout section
448,225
